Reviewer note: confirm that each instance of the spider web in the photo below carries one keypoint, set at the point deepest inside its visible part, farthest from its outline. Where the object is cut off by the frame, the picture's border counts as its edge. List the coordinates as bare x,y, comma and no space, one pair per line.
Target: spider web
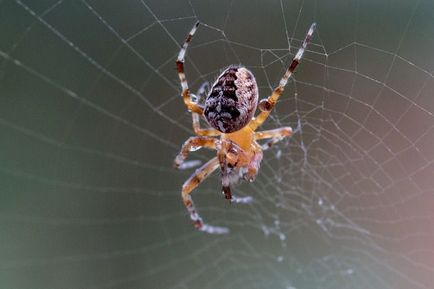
91,119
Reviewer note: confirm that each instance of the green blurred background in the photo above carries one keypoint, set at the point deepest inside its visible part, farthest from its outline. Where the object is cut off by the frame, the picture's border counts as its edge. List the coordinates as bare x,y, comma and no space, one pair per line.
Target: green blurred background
91,119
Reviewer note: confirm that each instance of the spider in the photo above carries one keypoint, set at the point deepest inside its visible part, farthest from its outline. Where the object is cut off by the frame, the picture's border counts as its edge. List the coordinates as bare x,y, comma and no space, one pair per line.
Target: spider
229,110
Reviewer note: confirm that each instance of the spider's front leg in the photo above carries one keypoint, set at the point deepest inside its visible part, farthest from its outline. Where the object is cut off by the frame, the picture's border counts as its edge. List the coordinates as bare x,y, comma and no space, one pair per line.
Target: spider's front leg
267,105
192,144
189,186
192,106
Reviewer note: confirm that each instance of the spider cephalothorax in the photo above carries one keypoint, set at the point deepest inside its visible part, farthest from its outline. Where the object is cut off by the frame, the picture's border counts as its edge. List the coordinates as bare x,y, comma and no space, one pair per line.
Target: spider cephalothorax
229,109
232,100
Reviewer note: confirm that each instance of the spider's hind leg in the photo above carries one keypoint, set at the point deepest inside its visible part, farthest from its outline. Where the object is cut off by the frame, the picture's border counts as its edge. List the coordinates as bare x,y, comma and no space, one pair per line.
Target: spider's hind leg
236,199
241,200
227,192
189,186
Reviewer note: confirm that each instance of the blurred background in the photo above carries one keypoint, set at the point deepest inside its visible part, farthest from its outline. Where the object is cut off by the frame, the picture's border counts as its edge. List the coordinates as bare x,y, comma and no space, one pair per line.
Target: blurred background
91,118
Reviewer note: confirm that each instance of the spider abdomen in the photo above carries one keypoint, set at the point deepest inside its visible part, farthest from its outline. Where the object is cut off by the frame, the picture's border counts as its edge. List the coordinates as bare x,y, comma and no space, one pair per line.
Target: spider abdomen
232,100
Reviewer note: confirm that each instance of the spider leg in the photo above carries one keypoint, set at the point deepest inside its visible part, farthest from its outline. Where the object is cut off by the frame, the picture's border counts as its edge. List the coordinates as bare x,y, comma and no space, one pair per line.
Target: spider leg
276,135
255,163
197,98
267,105
229,156
191,144
190,185
192,106
227,192
202,131
236,163
235,198
241,200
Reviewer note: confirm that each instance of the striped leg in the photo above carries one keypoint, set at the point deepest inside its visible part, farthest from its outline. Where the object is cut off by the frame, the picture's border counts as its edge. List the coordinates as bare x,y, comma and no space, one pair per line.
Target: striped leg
275,134
189,186
267,105
192,144
193,107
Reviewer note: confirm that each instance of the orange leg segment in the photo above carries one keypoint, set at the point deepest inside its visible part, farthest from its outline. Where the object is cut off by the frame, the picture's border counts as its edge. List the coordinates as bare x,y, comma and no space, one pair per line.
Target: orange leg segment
193,143
275,134
189,186
192,106
267,105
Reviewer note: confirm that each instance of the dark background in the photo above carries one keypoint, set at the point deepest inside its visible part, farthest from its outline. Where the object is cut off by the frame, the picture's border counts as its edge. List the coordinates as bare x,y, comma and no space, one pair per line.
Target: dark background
91,119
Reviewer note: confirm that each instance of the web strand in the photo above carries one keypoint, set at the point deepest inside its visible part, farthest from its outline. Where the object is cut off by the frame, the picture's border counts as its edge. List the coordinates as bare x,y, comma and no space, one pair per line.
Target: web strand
91,119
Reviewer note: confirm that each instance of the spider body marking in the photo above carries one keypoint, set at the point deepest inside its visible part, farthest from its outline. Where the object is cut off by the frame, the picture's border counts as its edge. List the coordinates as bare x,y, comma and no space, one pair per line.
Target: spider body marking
232,100
229,110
